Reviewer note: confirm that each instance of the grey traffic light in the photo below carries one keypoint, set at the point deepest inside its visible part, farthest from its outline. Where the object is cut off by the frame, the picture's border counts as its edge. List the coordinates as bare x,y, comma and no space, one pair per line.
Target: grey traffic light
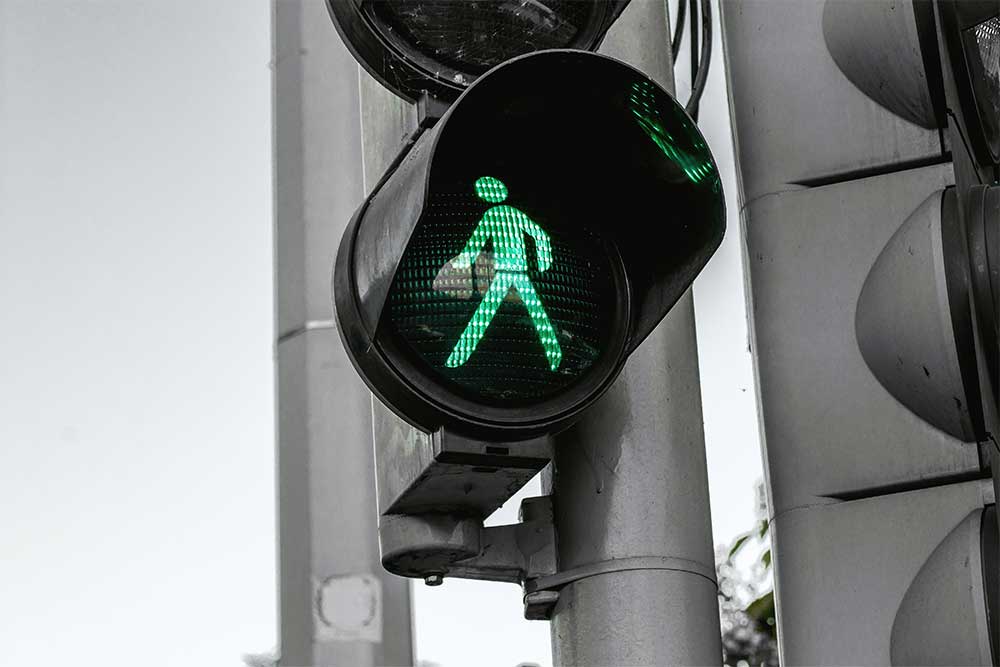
872,348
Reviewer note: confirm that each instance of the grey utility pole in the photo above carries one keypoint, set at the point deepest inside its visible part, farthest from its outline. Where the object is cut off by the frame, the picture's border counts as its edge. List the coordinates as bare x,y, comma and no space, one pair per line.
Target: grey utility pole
630,487
337,605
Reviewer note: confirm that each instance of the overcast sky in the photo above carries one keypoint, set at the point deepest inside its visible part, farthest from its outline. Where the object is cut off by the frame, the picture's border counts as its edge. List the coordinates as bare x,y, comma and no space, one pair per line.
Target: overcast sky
136,439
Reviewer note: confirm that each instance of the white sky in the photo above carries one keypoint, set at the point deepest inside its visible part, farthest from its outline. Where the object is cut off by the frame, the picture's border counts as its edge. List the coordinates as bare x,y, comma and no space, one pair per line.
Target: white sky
136,439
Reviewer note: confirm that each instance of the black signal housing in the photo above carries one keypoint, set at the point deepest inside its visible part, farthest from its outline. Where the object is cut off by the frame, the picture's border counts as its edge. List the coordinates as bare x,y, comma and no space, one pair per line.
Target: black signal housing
622,183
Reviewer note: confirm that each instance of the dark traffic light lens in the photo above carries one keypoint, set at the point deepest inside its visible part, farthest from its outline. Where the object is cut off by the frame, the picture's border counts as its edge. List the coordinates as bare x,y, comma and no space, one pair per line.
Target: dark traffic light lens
500,295
982,51
472,36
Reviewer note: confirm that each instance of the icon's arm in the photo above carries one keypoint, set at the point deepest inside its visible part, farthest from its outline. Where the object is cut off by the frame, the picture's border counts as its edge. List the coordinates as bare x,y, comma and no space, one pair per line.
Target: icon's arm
543,248
472,249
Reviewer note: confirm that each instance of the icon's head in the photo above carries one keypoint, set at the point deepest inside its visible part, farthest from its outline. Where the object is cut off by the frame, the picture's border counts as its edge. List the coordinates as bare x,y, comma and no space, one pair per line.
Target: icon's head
491,189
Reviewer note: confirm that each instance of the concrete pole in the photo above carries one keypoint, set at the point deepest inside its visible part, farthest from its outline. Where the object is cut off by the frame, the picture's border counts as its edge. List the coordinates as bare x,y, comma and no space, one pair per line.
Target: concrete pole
337,605
630,485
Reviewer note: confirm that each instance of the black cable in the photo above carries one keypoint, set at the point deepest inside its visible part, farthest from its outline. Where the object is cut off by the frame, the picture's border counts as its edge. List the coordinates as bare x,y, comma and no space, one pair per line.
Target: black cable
693,40
700,76
675,43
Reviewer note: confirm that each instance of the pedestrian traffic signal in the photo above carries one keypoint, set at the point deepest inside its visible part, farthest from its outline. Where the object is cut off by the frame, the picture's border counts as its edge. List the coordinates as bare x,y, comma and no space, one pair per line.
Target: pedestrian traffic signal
495,281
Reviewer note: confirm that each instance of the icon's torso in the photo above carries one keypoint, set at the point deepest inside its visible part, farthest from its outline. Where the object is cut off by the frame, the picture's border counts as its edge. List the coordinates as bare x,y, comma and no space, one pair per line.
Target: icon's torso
506,227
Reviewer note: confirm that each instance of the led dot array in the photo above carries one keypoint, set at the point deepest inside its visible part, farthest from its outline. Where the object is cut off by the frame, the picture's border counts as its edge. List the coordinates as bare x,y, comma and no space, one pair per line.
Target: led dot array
491,189
497,300
505,227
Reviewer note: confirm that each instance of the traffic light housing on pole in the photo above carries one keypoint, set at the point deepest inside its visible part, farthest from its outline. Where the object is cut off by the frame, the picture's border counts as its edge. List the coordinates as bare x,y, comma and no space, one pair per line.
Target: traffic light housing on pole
926,319
496,280
950,81
869,183
934,346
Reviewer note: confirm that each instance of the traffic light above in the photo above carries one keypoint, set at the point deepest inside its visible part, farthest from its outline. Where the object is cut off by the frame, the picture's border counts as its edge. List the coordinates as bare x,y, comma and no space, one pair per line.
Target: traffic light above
439,47
498,277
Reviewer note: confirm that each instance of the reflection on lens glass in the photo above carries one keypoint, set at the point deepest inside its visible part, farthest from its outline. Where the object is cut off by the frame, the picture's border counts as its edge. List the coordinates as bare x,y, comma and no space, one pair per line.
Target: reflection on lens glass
982,47
472,36
644,106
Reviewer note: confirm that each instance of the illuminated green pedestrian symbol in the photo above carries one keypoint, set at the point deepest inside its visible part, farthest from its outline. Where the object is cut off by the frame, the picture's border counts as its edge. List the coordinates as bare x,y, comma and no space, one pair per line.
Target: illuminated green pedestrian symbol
506,226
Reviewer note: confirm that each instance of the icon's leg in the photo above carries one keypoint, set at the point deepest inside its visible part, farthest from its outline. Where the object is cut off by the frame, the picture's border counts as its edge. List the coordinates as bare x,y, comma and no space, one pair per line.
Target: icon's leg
481,319
540,318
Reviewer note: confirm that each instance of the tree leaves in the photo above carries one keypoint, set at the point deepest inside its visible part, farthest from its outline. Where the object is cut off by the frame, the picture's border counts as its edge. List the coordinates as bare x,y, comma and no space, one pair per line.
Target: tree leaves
738,544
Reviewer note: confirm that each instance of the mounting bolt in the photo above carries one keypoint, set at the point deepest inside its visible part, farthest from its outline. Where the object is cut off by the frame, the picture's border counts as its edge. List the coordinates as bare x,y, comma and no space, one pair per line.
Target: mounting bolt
434,579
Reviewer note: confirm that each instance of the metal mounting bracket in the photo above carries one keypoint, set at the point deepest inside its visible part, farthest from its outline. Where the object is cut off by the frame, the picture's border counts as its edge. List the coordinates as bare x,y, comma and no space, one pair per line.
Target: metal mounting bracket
433,546
435,489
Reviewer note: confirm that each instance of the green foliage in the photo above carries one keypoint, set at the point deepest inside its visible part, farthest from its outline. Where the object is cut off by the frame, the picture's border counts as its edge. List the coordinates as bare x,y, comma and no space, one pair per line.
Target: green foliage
746,600
738,544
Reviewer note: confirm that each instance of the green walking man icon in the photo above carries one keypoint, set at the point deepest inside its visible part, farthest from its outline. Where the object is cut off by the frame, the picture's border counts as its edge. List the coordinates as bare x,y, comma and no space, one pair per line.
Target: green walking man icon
506,226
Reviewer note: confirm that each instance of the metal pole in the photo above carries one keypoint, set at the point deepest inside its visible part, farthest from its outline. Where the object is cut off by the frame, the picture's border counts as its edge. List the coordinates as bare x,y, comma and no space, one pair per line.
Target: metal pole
630,485
337,605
